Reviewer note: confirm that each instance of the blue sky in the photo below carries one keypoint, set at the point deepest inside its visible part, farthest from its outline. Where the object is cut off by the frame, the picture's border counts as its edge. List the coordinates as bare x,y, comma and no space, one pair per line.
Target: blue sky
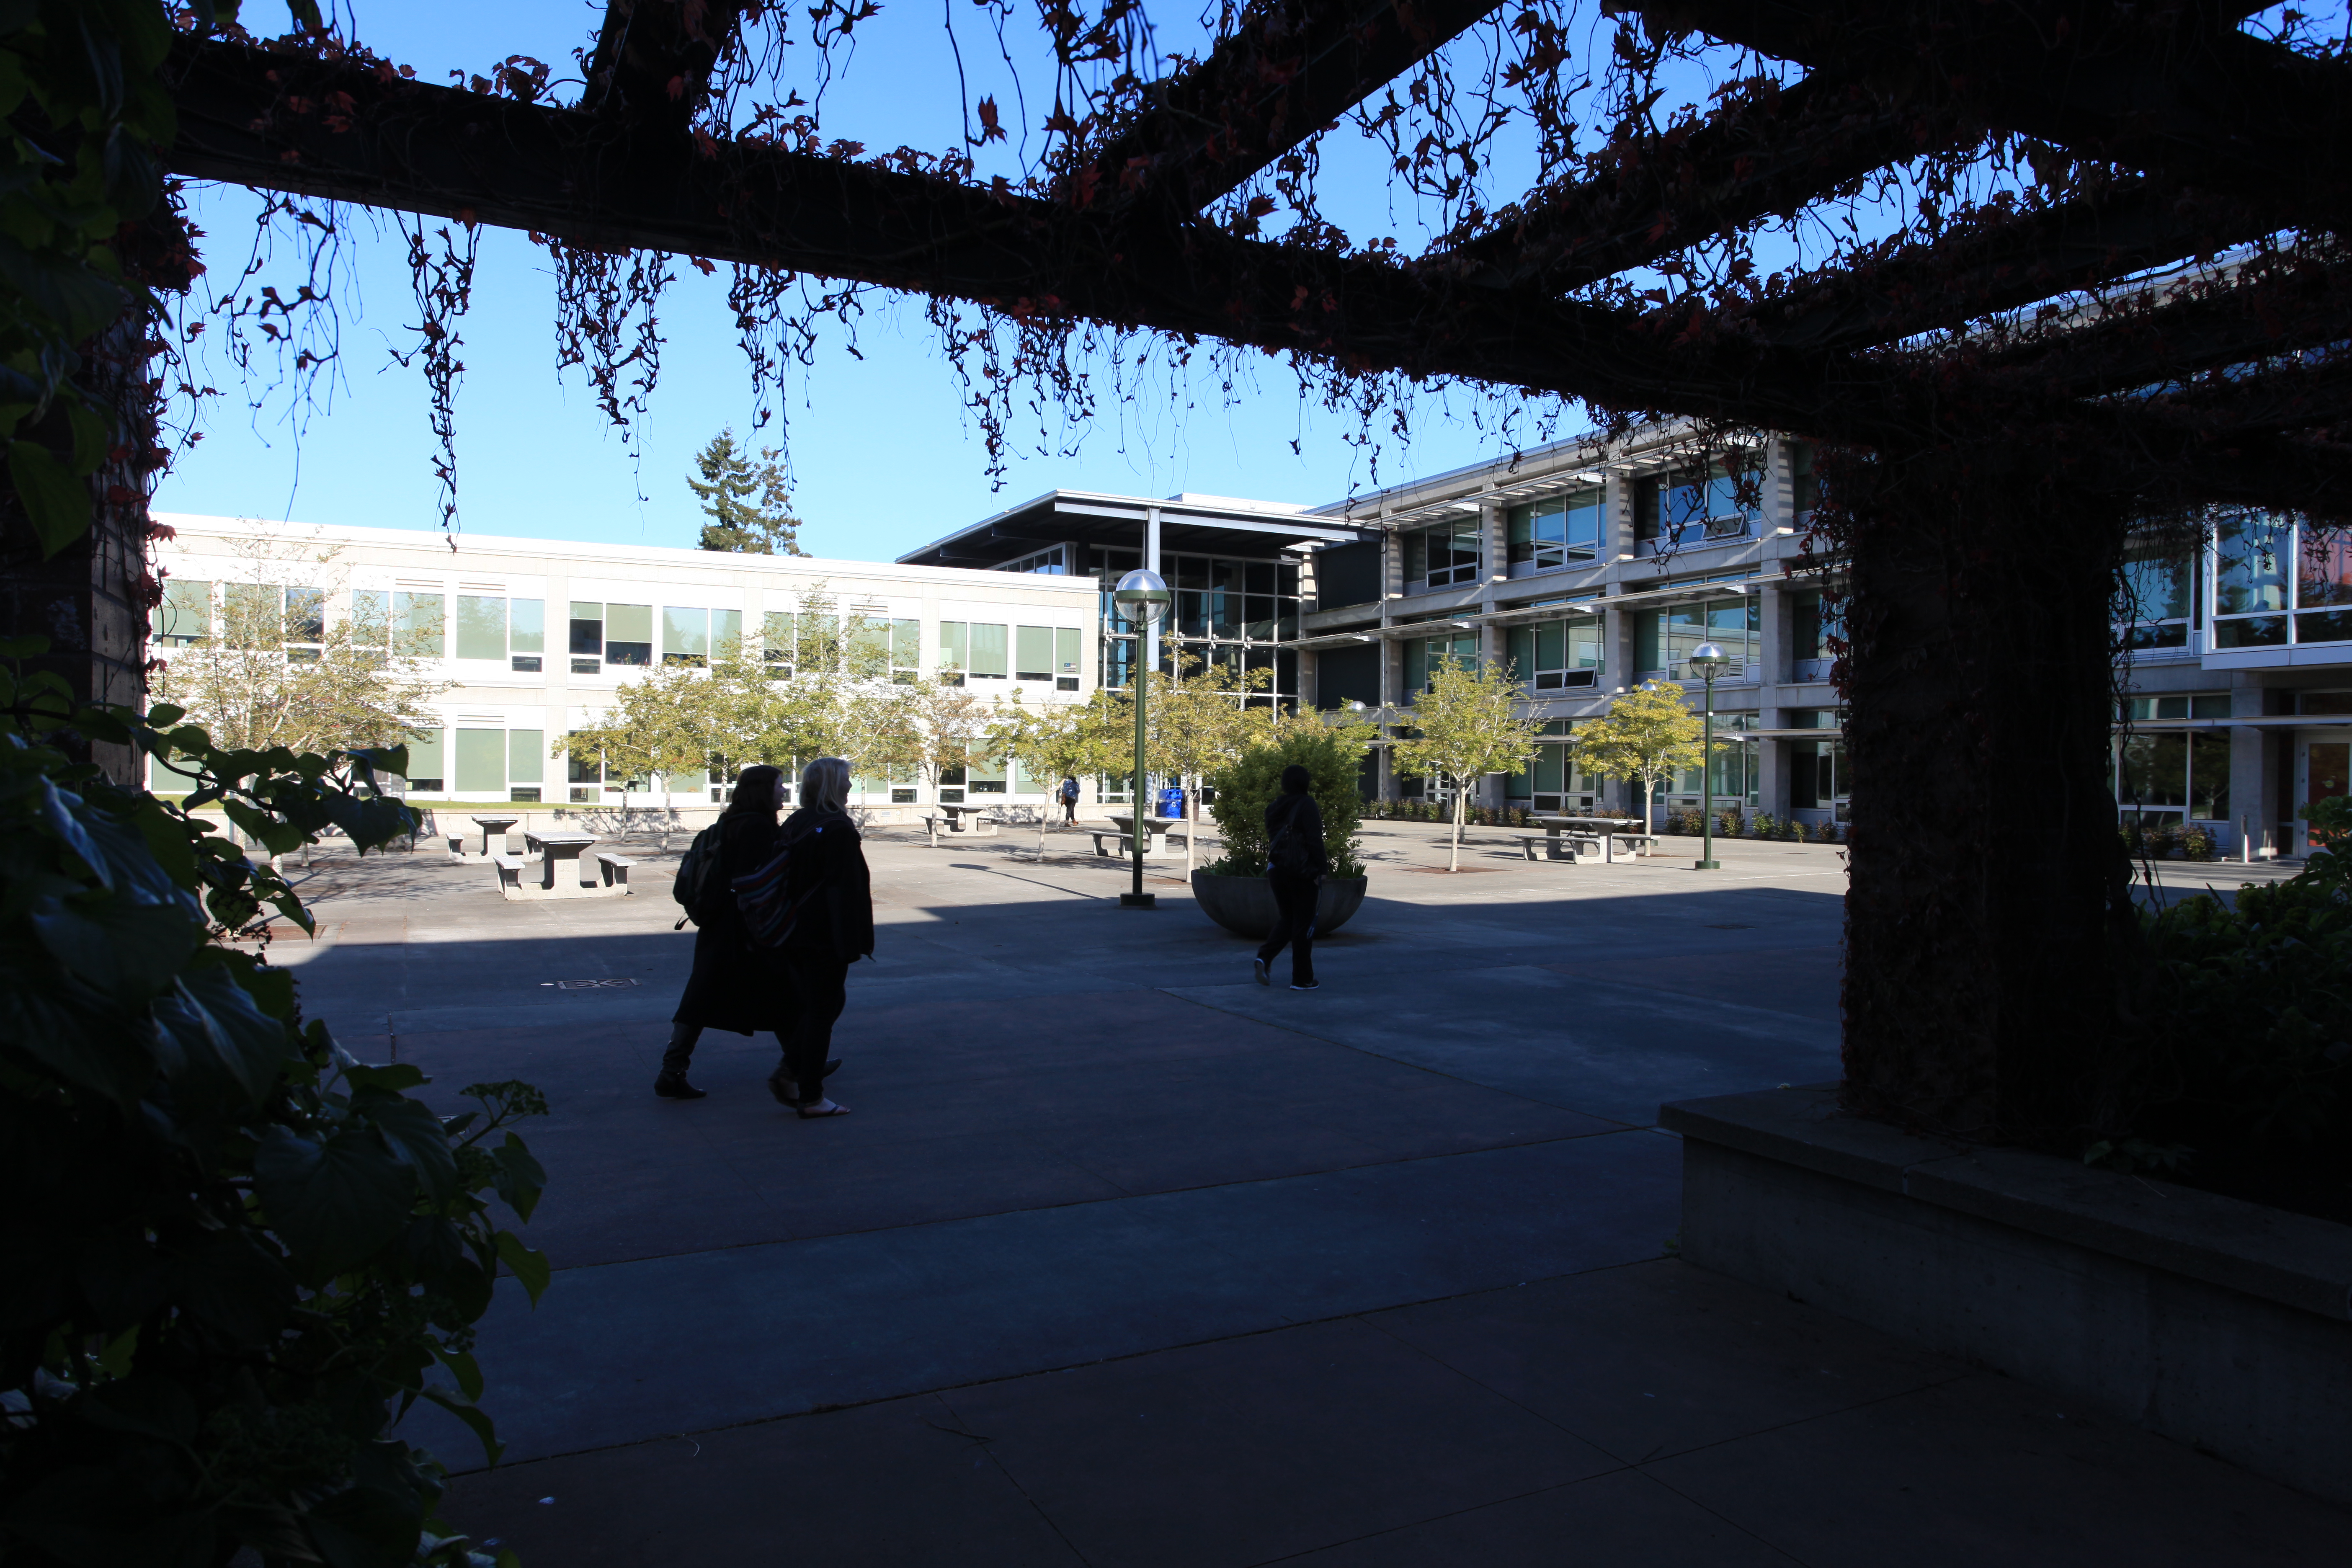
885,456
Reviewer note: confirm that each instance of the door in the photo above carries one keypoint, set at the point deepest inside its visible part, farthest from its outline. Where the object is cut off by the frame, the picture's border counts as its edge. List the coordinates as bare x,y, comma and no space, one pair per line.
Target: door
2323,768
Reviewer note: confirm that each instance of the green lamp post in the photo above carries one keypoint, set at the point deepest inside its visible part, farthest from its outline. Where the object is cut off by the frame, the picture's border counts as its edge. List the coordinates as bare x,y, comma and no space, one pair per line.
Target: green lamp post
1141,598
1707,661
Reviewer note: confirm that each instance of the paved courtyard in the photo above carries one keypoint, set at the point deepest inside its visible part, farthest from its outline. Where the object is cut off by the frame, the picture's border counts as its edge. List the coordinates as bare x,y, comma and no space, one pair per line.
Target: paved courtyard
1124,1259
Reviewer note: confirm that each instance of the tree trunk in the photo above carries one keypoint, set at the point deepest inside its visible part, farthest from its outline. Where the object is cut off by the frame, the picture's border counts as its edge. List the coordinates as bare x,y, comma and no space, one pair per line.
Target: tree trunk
1989,888
1191,821
1461,795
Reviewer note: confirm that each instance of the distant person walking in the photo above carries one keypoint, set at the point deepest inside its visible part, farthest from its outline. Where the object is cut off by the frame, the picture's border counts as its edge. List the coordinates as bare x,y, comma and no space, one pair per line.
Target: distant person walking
828,886
734,987
1069,794
1295,866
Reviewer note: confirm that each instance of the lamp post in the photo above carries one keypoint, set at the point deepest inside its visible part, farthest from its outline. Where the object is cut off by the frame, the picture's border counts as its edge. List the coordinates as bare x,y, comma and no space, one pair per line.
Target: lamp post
1708,660
1142,599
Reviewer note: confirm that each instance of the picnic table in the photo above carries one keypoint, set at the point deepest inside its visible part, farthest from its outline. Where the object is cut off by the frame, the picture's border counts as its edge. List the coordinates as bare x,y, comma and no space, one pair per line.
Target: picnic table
559,855
1123,841
1602,830
494,827
972,819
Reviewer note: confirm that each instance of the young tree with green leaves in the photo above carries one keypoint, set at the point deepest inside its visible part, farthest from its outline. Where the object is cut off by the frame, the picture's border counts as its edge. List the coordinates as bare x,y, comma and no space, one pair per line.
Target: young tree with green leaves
1466,726
1200,720
279,663
748,503
664,724
1061,740
1647,734
949,718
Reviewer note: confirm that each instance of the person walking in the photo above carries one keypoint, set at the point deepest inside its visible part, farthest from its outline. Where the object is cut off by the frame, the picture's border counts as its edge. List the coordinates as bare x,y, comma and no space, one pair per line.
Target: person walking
1296,865
827,886
734,987
1069,794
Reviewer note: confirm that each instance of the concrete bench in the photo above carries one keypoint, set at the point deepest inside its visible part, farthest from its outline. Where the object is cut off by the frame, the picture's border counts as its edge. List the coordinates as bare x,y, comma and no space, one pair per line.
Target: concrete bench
1579,844
615,868
1642,843
932,823
509,872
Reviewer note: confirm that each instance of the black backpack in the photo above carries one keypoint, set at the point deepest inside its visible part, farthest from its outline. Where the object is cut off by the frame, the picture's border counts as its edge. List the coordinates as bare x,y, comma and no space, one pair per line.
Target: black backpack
694,874
1292,852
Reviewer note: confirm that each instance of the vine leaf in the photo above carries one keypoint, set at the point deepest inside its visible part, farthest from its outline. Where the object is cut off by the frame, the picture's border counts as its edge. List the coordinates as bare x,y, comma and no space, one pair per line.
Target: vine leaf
56,502
333,1202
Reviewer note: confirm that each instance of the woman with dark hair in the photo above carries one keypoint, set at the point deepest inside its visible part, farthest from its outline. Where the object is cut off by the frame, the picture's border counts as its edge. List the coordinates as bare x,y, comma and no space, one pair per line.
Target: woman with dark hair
826,884
733,986
1295,865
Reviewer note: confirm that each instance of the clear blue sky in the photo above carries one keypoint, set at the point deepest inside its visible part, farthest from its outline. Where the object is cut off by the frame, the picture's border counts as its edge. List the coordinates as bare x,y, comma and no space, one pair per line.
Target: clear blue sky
884,456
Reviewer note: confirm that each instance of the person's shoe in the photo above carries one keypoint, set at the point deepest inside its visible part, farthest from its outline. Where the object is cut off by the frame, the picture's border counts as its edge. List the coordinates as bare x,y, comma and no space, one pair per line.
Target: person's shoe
1309,986
1264,977
672,1086
822,1108
786,1091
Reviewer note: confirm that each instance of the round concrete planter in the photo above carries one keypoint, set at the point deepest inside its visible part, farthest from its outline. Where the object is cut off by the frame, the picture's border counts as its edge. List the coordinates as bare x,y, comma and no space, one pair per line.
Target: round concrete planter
1245,905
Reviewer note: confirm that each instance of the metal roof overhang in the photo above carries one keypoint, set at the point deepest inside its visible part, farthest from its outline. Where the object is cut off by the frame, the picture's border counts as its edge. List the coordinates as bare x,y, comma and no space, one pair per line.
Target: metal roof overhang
1118,522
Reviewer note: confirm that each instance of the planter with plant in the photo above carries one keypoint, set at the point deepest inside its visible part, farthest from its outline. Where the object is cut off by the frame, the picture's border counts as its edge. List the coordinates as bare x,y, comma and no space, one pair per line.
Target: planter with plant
1234,891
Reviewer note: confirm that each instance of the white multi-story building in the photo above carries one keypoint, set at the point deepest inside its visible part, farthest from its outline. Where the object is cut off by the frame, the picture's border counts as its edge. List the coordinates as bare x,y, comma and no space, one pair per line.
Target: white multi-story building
535,637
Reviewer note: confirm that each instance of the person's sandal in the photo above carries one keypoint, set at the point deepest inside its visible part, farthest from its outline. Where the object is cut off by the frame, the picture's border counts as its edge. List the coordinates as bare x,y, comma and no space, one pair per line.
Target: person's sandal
822,1108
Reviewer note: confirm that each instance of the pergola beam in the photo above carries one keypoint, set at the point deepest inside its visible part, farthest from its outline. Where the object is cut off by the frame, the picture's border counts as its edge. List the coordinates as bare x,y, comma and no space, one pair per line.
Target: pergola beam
1664,193
654,59
2170,89
1289,69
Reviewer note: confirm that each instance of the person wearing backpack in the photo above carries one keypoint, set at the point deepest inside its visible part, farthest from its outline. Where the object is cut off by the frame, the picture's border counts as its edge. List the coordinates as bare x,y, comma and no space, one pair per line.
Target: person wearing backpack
1069,794
829,893
1295,865
733,987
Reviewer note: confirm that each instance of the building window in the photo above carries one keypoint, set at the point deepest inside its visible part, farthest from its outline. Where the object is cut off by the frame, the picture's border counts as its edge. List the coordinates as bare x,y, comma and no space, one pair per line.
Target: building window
1554,655
425,771
2158,595
1550,534
481,627
419,624
185,615
1816,627
686,635
986,656
587,637
1050,563
1444,556
629,634
893,647
1066,674
2165,774
1032,653
1664,640
586,776
2251,587
1424,656
1692,505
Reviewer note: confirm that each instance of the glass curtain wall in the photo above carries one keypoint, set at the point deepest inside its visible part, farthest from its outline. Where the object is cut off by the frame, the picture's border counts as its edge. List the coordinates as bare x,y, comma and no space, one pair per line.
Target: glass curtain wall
2163,777
1555,655
1548,535
1664,640
1695,505
1237,613
2275,581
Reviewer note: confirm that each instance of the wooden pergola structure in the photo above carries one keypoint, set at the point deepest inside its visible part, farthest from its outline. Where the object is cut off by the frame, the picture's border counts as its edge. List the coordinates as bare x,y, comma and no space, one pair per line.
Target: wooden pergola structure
1995,478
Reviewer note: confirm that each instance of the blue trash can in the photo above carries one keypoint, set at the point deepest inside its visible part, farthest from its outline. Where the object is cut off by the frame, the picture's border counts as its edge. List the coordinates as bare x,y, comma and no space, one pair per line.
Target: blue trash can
1172,801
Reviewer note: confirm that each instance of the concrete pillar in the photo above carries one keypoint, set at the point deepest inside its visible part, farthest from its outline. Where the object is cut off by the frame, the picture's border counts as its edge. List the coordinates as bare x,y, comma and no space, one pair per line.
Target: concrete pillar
2260,761
1392,592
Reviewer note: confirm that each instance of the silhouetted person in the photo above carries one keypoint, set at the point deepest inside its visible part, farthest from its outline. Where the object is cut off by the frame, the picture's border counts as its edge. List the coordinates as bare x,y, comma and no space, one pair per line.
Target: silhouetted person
1295,865
833,927
734,987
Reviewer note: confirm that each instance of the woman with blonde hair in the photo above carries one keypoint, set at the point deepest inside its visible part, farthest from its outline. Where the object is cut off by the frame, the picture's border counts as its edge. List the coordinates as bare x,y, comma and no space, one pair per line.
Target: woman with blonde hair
827,885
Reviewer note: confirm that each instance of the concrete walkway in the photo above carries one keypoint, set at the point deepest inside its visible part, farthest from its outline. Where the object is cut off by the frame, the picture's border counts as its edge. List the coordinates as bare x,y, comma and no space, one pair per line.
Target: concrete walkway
1124,1259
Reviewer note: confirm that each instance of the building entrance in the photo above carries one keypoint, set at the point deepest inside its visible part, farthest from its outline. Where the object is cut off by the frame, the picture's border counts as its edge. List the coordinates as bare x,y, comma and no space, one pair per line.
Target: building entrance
2323,767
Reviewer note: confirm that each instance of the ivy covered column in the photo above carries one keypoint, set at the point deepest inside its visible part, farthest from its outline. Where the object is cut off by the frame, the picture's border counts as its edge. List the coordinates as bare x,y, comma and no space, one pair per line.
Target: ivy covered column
1988,879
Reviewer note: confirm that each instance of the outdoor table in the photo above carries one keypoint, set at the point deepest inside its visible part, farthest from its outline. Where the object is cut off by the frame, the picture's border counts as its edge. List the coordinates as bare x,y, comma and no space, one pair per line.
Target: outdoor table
494,827
957,818
559,850
1157,826
1603,827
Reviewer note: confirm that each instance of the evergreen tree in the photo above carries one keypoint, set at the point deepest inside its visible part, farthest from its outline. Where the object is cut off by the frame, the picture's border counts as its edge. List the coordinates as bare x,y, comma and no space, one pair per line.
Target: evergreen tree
749,505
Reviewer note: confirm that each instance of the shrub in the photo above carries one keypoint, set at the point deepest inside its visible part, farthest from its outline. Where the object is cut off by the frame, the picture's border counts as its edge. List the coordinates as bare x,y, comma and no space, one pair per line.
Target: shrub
1684,819
2240,1067
1728,824
1825,832
235,1251
1247,786
1764,824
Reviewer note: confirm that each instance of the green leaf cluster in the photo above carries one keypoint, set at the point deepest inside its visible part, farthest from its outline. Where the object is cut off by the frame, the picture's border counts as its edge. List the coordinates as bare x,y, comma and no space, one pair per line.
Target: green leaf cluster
236,1253
87,108
2241,1056
1332,755
750,503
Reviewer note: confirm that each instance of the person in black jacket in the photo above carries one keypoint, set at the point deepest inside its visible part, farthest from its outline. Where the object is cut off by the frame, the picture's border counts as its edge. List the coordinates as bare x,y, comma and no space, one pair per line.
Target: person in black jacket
828,886
1295,865
733,987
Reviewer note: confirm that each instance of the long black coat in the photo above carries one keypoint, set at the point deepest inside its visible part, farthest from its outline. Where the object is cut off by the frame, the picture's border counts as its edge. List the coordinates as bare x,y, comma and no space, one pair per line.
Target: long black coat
828,878
735,987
